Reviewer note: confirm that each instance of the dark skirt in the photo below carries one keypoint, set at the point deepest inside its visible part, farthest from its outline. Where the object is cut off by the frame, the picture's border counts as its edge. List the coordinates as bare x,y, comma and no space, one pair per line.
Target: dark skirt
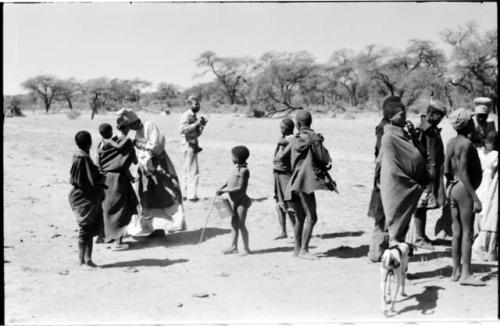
119,204
281,180
87,207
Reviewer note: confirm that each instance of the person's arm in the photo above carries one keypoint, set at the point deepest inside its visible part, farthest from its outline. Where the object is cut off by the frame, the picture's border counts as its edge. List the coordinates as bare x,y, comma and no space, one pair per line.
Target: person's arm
243,178
219,191
185,127
320,153
285,152
120,143
464,175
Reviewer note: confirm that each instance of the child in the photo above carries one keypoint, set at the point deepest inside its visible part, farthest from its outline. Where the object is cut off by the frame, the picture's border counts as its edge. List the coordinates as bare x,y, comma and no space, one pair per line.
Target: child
463,173
119,143
485,244
86,197
282,171
236,187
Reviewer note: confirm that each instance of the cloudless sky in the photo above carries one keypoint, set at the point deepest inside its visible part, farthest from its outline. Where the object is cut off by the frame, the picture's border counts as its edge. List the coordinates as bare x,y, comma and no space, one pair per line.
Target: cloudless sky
160,41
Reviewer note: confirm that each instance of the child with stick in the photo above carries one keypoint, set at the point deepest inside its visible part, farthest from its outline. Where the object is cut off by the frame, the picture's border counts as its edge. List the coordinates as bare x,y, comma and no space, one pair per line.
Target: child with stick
236,187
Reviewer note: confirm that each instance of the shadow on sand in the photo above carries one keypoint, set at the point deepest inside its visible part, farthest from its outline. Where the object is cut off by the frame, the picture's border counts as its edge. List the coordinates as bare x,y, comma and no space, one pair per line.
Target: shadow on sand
159,238
346,252
340,235
426,301
145,263
260,199
276,249
425,256
446,272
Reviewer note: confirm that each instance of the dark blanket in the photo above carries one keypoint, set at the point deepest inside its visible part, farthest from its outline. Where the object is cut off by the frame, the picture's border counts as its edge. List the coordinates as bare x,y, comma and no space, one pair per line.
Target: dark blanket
403,174
86,196
310,163
120,201
160,189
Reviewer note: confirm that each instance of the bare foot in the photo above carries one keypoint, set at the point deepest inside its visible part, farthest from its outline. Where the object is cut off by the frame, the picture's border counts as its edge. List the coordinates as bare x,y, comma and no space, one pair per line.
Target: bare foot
455,275
471,281
90,263
307,255
230,251
281,236
245,253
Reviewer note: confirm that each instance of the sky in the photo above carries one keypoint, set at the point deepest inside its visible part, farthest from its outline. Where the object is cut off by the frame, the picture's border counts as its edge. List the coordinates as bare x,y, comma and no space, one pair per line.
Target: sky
159,42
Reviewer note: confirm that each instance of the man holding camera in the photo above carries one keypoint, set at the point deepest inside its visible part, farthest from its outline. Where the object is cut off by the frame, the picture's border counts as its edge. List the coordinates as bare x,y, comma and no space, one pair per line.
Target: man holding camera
191,128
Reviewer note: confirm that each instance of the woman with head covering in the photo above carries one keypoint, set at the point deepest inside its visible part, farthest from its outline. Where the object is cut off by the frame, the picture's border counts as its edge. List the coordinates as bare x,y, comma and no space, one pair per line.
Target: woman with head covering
158,187
403,172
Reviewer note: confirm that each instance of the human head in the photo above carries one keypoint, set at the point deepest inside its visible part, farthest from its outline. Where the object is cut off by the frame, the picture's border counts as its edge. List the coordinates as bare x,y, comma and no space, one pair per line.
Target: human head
461,120
436,111
286,127
106,130
194,103
127,117
491,141
83,140
240,154
303,118
394,110
482,108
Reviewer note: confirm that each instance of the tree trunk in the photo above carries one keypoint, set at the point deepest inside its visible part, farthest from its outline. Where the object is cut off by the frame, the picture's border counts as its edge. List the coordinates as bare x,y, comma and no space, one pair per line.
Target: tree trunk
69,103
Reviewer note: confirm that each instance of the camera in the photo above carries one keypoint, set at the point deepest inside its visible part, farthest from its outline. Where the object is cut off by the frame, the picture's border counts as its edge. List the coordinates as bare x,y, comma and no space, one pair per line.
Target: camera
203,121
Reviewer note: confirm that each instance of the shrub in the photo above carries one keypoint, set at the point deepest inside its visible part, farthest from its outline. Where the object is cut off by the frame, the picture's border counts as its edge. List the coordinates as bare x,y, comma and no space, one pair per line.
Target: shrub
73,114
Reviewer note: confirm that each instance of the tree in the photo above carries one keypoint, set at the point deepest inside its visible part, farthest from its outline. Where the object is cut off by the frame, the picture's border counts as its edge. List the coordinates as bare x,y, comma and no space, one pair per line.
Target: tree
473,64
167,91
282,76
343,65
44,87
232,73
65,90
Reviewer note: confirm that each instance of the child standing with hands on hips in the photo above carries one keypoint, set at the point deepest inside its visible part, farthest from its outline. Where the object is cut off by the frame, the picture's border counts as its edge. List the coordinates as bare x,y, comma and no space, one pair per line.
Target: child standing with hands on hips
236,187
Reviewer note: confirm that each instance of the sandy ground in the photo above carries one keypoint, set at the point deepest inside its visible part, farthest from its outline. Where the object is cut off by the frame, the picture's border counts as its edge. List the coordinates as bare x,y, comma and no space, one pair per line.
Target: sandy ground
156,280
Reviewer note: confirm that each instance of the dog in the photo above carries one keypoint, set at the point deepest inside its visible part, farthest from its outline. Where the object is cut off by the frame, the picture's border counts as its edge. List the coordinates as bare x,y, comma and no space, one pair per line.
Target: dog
394,263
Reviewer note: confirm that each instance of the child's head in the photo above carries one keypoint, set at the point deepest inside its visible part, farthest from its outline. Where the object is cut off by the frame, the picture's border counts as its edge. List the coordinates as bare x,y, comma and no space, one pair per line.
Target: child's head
491,141
240,154
83,140
303,118
286,127
106,130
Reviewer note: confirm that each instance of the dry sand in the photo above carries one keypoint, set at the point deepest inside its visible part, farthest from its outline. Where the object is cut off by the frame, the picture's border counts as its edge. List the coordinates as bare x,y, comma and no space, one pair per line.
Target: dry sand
156,280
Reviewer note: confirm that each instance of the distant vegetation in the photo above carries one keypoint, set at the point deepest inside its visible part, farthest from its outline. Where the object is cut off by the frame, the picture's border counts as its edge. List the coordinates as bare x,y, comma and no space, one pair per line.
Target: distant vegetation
284,81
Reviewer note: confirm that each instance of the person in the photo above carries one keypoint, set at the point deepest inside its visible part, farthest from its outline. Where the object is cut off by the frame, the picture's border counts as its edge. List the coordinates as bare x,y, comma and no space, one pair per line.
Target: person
379,240
159,193
117,142
85,198
191,128
485,245
481,124
463,174
310,163
282,171
236,187
429,136
115,155
403,172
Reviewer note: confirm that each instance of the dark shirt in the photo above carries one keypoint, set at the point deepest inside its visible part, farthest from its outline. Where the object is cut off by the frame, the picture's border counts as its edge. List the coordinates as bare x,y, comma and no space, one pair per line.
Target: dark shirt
281,162
430,138
84,175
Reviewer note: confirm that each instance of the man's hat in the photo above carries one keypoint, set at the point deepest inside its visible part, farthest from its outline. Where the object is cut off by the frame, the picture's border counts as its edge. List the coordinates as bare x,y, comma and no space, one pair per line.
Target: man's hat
192,98
482,105
438,106
460,118
126,117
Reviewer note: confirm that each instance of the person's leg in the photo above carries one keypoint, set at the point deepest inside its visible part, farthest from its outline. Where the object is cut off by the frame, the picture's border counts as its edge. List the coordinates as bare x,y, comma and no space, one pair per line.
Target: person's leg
466,216
309,204
242,215
456,242
192,173
234,235
299,223
282,221
379,240
88,253
420,220
492,246
81,252
185,167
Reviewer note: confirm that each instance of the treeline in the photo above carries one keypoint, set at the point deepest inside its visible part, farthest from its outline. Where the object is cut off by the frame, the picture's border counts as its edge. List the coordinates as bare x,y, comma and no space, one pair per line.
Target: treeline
284,81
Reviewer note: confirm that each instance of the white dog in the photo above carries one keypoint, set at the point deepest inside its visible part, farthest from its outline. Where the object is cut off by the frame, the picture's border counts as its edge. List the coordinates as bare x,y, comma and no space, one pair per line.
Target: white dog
395,263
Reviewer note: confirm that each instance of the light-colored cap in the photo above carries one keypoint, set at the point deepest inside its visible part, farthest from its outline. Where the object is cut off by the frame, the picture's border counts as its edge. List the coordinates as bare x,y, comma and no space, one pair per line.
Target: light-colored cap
482,101
126,117
459,118
192,98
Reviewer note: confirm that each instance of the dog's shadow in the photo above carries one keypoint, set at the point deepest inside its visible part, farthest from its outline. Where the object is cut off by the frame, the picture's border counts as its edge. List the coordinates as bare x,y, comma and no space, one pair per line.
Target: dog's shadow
426,301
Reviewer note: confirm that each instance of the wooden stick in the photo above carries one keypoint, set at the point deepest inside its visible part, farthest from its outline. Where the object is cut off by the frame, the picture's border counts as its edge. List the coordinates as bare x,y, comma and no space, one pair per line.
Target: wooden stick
206,220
